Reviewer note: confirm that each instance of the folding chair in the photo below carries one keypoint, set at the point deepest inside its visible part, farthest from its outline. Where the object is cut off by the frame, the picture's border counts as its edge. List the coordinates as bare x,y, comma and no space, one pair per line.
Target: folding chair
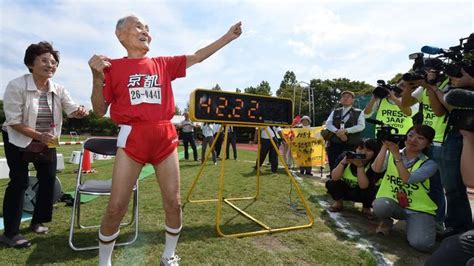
102,146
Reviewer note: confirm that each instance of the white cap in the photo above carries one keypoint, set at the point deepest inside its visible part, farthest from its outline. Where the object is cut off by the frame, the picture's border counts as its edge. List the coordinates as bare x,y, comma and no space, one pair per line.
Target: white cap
306,117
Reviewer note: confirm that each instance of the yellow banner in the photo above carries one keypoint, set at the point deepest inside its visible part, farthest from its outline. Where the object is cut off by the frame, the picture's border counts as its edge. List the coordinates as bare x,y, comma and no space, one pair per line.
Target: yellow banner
307,146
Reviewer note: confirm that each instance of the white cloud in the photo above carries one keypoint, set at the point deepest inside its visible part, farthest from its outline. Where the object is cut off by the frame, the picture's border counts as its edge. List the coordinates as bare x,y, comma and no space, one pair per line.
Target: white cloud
361,40
300,48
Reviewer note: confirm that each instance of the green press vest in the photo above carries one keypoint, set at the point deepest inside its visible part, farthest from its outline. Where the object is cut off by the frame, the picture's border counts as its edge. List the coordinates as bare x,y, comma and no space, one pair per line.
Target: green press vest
417,193
438,123
351,179
390,114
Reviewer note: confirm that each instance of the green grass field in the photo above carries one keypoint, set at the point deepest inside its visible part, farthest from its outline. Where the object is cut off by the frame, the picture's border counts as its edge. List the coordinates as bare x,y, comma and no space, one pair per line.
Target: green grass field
199,244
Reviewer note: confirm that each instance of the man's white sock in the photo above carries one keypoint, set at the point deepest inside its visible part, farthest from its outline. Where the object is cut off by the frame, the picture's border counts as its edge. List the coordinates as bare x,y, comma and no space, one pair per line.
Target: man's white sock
171,240
106,246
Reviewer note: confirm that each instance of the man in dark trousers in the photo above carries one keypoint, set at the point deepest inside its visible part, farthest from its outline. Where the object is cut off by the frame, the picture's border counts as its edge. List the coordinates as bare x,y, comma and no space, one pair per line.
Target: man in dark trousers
187,133
345,123
267,147
231,140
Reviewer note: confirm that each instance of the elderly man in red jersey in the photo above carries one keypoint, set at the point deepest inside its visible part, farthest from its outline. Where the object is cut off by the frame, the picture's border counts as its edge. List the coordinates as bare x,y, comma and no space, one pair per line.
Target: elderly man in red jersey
138,90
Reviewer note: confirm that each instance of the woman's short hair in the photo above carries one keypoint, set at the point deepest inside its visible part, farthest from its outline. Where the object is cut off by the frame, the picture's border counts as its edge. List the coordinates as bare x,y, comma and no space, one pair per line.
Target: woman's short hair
370,144
424,130
35,50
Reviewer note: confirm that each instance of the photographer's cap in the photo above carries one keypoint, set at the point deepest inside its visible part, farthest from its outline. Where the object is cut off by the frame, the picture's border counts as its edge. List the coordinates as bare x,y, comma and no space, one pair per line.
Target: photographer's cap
348,92
307,118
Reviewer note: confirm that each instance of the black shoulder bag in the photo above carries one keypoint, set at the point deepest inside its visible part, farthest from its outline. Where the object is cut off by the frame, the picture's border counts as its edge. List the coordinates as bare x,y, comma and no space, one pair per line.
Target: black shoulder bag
37,150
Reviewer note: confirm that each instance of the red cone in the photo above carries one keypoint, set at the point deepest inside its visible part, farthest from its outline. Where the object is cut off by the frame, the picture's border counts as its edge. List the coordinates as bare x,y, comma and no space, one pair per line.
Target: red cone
86,162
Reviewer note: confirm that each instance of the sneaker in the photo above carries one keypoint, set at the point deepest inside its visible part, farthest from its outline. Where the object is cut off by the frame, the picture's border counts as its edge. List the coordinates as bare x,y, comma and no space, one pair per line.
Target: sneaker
173,261
368,213
384,228
336,206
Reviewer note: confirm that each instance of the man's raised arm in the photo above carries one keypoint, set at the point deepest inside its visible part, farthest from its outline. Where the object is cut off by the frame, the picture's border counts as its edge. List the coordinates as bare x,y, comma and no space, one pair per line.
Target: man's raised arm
97,64
234,32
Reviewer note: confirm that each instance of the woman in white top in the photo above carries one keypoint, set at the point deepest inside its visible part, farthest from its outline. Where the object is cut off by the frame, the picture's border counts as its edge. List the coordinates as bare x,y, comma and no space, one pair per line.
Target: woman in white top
208,138
33,106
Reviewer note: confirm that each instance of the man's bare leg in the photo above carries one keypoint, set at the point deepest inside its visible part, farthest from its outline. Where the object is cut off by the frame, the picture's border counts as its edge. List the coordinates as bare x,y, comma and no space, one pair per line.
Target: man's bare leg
167,174
124,176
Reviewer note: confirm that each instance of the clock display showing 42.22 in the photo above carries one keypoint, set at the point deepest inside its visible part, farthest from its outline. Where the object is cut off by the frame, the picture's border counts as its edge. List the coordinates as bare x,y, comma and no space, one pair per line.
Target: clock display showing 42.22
239,108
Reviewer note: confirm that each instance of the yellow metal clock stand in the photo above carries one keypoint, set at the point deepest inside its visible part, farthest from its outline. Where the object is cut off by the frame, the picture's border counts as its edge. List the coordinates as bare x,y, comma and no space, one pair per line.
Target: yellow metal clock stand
222,199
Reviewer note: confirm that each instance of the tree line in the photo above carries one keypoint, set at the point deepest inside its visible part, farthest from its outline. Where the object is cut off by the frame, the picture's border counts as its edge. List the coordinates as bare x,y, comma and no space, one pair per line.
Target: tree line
326,97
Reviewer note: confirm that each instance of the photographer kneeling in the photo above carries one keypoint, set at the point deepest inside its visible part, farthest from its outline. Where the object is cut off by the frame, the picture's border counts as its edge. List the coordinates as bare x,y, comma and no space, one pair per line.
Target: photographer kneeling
405,192
353,179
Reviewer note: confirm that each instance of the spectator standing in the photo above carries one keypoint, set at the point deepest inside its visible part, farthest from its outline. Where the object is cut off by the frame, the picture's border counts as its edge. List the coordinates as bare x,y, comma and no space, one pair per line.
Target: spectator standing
187,132
345,123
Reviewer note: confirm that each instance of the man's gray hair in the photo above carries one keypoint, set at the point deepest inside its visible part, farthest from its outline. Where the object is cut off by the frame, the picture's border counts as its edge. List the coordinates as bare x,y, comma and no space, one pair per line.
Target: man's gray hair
121,22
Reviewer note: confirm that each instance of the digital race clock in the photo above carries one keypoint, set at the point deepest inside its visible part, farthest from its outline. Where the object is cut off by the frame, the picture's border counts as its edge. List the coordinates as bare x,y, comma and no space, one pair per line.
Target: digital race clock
238,108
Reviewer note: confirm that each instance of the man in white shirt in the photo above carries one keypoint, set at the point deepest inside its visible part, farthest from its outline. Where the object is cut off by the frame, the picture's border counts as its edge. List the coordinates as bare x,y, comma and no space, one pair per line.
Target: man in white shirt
267,147
346,123
187,134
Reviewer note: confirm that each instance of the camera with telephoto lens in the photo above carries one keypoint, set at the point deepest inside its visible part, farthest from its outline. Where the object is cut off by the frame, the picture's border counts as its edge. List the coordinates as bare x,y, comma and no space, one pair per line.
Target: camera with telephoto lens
460,57
422,66
354,155
453,59
382,89
385,133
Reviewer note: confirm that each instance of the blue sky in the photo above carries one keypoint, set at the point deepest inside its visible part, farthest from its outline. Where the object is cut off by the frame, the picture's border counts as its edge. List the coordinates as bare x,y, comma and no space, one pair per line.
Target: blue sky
360,40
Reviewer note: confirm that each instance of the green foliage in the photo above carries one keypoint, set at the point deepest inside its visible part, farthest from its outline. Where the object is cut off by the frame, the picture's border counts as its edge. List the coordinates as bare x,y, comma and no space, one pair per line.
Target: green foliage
216,88
2,114
287,85
396,79
262,89
177,111
326,94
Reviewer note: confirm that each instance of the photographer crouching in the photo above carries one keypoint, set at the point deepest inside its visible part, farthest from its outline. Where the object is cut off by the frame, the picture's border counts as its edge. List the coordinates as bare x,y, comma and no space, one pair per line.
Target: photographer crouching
353,178
406,189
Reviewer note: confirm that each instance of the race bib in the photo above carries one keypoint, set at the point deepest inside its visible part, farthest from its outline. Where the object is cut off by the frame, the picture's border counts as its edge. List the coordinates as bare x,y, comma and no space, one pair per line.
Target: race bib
145,95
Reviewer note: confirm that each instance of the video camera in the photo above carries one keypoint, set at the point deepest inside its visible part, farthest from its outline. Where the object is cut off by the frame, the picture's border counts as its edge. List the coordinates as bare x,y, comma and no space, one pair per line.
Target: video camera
354,155
384,133
387,132
382,89
459,57
421,66
450,61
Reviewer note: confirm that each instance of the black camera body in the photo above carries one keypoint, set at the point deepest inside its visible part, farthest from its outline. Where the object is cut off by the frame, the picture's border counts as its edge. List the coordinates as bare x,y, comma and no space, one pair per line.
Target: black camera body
384,133
421,66
414,75
450,61
382,89
453,69
354,155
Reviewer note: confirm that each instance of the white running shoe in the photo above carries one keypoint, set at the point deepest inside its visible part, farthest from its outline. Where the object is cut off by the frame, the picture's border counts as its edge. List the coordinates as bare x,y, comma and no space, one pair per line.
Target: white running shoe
173,261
